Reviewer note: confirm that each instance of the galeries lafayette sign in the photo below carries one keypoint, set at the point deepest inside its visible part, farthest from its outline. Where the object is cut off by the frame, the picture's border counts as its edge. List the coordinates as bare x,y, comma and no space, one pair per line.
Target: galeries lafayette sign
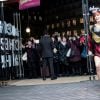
25,4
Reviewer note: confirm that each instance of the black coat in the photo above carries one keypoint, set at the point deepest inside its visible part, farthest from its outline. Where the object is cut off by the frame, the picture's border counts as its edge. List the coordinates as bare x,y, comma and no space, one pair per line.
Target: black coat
46,45
32,55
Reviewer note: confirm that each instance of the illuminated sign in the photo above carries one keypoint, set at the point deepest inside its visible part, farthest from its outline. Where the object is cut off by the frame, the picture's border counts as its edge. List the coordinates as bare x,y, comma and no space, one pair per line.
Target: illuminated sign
24,4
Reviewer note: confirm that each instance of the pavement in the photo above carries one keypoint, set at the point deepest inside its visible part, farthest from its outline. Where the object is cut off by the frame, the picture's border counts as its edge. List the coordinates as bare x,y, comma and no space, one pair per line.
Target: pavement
64,88
39,81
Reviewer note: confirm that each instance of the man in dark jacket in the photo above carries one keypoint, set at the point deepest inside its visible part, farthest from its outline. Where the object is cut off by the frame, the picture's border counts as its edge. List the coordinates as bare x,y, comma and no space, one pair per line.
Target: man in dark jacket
46,45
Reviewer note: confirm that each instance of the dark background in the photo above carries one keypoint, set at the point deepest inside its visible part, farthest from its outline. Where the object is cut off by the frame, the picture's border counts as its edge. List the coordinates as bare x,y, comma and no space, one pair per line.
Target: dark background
51,12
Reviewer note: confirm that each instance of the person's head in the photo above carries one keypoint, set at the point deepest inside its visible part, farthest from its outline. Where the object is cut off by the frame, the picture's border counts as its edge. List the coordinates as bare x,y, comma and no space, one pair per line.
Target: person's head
63,39
29,43
46,32
32,39
96,14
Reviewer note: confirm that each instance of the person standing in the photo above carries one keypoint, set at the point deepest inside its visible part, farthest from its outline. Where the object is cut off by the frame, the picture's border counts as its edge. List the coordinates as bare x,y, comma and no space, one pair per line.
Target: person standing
46,45
94,38
31,59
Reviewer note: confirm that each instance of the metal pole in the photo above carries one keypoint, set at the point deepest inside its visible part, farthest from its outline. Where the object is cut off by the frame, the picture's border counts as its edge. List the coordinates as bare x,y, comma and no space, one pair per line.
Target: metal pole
85,9
17,23
20,46
19,67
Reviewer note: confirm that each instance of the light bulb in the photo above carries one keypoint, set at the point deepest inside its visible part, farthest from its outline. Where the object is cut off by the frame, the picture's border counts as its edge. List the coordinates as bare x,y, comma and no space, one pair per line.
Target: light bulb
28,30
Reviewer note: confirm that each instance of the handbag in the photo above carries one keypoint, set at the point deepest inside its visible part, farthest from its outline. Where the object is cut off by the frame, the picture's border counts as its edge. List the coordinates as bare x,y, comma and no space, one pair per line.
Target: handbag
84,53
24,57
68,54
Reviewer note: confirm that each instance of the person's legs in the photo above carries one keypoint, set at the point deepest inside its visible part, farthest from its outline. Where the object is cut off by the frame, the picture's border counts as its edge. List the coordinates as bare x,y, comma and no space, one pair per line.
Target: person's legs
44,68
34,71
97,64
51,68
30,73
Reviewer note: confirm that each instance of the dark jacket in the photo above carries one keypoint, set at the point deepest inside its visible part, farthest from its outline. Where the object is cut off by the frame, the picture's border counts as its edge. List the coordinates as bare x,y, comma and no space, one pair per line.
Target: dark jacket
62,52
46,45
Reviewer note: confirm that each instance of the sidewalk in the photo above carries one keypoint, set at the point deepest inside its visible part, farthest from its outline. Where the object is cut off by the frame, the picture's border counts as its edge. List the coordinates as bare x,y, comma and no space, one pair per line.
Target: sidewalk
25,82
70,88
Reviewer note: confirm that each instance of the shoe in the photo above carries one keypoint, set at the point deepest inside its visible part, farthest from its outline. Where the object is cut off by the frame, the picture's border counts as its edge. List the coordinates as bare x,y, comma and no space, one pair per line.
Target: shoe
53,78
44,78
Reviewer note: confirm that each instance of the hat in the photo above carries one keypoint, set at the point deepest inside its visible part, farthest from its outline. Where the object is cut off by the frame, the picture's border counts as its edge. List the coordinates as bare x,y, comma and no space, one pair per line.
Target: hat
94,9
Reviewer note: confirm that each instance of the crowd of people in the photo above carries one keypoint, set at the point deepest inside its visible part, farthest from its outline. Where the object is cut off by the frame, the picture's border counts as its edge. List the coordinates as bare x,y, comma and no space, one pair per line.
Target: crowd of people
65,55
55,56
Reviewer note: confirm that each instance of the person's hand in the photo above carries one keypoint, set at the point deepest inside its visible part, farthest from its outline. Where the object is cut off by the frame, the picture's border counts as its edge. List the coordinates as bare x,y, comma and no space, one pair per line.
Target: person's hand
26,46
41,59
55,50
90,53
23,46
